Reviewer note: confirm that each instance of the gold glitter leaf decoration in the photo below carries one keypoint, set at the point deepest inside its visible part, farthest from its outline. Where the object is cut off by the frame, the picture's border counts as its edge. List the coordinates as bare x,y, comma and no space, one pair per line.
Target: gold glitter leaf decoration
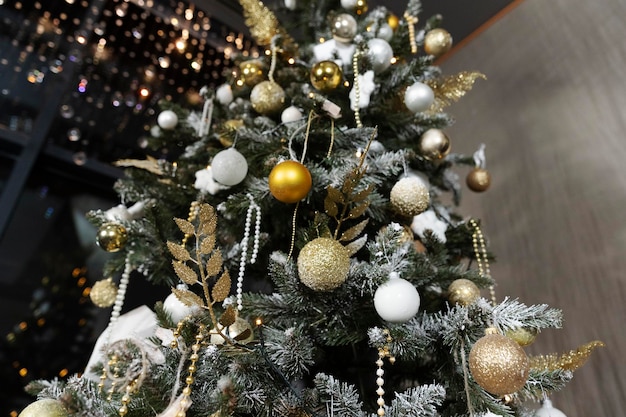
363,194
330,207
451,88
149,164
214,264
264,25
358,211
185,226
353,232
178,251
243,335
228,317
188,298
334,195
208,220
207,245
569,361
185,273
221,288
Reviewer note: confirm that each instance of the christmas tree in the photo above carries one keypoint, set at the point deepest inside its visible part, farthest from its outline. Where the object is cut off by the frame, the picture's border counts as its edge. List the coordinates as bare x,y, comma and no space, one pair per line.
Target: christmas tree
320,178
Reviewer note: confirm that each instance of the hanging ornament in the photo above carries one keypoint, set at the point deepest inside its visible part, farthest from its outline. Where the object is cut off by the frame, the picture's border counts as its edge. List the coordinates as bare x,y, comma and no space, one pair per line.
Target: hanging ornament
227,131
291,114
393,21
385,32
434,144
326,76
344,28
396,300
103,293
478,179
379,54
437,42
463,292
291,4
522,335
229,167
237,328
267,98
547,410
167,120
418,97
290,181
251,72
112,237
498,364
176,308
45,407
224,94
348,4
409,196
323,264
361,7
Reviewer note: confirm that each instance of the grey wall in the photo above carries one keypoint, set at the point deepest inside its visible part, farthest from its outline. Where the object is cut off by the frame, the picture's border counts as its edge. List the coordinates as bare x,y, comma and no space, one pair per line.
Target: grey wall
553,116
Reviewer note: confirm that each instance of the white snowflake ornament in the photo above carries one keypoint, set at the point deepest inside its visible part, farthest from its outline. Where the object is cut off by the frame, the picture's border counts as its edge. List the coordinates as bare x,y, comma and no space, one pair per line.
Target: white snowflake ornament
366,88
428,220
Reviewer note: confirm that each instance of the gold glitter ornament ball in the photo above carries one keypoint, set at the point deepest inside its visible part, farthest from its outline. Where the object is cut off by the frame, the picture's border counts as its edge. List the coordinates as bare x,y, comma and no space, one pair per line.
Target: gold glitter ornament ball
267,98
434,144
323,264
290,181
103,293
522,335
437,42
326,76
46,407
463,292
478,180
112,237
498,364
409,197
251,72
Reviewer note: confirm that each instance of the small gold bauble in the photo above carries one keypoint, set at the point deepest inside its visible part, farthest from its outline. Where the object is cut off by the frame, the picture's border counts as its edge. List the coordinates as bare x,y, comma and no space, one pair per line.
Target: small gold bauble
361,7
103,293
463,291
498,364
522,335
434,144
237,328
409,197
267,98
323,264
290,181
46,407
251,72
393,21
112,237
326,76
437,42
478,179
227,130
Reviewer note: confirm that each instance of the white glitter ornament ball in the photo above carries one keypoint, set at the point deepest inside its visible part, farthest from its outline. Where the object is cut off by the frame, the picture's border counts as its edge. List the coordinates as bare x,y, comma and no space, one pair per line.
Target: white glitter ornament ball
224,94
290,114
397,300
177,309
380,54
547,410
410,196
229,167
167,120
418,97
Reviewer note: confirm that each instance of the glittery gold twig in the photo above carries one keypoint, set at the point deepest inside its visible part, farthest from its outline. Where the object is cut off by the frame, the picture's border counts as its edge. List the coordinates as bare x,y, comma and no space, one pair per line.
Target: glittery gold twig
264,25
569,361
451,88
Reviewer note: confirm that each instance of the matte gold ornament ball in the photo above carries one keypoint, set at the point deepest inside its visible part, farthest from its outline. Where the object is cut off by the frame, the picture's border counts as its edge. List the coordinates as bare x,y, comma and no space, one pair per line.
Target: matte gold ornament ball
434,145
251,72
478,180
267,98
323,264
326,76
409,197
112,237
498,364
44,408
290,181
103,293
437,42
463,292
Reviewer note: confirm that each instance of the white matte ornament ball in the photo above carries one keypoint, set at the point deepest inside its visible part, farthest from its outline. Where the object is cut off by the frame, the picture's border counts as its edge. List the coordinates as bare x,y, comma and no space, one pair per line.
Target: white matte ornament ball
547,410
385,32
397,300
419,97
167,120
349,4
177,309
291,4
224,94
290,114
380,54
229,167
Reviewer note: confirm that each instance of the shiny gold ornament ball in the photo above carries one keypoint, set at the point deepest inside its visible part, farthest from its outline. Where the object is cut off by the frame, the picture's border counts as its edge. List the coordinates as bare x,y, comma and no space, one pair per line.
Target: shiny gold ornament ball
112,237
409,197
44,408
463,292
478,180
522,335
290,181
434,144
393,21
103,293
437,42
498,364
237,328
326,76
361,7
323,264
267,98
251,72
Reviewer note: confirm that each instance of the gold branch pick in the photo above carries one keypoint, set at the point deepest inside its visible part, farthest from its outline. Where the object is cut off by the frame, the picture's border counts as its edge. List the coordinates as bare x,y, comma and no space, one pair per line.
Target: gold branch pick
264,25
569,361
451,88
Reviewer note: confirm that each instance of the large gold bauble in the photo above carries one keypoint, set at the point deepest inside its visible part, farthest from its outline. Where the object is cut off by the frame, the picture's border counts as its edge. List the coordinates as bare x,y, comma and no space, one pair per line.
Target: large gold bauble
409,197
46,407
434,144
478,180
498,364
267,98
326,76
323,264
290,181
112,237
522,335
251,72
237,328
103,293
437,42
463,292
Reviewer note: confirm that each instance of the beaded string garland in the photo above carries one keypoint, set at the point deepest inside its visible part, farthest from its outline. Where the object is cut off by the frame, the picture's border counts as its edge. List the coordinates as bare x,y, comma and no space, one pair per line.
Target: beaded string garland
256,210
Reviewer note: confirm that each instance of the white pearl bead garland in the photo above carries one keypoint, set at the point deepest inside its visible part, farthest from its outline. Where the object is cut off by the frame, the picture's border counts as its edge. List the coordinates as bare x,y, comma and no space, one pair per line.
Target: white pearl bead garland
253,208
121,295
